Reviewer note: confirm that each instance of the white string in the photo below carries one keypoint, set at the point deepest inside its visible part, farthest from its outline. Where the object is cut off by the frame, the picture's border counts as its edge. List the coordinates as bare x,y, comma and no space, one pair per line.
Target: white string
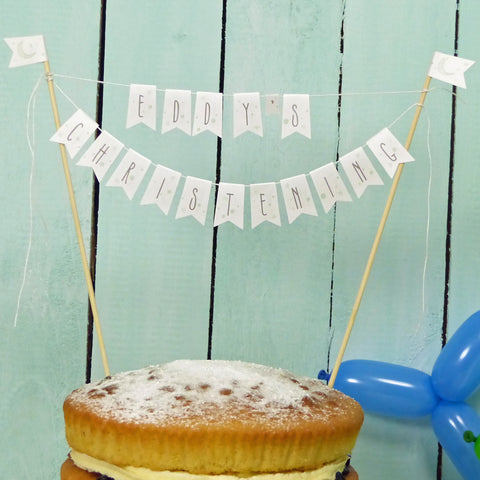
427,233
396,120
30,123
66,96
401,115
336,94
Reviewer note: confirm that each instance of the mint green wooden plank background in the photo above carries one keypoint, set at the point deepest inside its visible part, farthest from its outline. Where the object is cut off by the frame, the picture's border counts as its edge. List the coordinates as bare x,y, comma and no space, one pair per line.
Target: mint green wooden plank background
273,283
158,307
44,355
392,326
282,295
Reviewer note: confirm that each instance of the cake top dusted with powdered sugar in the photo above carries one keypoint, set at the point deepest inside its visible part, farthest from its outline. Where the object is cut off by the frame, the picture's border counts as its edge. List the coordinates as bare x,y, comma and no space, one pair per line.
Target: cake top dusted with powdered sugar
200,388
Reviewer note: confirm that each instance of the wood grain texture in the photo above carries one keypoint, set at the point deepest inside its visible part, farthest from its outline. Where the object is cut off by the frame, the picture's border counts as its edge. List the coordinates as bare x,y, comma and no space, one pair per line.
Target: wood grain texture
463,279
273,283
393,325
159,300
282,296
43,357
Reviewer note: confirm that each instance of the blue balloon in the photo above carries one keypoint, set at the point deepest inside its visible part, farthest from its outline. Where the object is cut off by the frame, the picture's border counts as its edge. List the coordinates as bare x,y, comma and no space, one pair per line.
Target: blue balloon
450,421
456,373
387,389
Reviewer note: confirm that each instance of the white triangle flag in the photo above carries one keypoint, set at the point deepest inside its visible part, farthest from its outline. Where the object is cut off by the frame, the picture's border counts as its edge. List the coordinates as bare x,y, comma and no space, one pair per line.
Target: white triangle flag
75,132
142,106
101,154
297,196
329,186
296,115
449,69
194,199
162,188
27,50
230,204
208,113
247,114
360,171
272,104
177,111
129,173
389,151
264,204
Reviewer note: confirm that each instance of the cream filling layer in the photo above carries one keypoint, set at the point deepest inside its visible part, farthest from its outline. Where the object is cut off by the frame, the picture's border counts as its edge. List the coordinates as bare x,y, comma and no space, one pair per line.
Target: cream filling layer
91,464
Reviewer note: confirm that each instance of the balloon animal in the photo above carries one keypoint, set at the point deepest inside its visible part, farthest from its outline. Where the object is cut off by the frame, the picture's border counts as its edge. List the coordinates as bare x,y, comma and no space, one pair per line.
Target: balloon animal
404,392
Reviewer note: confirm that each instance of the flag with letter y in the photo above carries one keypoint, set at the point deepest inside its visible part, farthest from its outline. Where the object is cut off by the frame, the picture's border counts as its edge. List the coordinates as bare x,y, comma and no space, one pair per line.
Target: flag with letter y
27,50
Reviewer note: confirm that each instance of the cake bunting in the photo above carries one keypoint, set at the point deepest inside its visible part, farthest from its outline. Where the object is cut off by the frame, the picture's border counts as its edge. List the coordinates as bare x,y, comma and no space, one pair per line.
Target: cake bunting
31,49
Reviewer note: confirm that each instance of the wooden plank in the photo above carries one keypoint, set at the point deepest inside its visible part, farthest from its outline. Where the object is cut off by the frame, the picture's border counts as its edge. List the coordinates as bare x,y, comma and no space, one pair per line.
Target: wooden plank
463,279
272,286
153,272
392,324
43,357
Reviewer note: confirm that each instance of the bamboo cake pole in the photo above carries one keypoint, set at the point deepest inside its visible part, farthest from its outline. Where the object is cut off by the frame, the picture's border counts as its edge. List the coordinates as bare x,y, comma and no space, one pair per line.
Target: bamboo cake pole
78,230
378,236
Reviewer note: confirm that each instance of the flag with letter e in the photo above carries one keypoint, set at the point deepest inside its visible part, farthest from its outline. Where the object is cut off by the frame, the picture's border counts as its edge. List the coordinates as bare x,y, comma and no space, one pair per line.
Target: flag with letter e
27,50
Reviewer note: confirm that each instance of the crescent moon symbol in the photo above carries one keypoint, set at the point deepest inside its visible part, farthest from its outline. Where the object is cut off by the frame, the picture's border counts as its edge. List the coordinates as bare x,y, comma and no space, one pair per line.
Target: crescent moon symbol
21,52
441,67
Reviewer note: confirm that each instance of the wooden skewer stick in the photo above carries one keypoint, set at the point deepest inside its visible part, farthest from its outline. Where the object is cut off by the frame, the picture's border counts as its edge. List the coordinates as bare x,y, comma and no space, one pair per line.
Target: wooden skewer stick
73,203
378,236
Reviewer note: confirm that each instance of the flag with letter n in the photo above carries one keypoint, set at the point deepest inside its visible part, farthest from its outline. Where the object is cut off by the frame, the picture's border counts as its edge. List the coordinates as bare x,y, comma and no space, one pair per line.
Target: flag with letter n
297,196
360,171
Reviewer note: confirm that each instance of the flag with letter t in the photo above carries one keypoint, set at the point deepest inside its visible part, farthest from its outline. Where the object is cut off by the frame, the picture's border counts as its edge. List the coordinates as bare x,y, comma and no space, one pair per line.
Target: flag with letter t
230,204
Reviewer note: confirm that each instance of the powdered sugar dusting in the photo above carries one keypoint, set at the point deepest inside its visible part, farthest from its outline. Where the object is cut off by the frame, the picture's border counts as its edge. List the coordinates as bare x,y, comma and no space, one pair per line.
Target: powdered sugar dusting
182,388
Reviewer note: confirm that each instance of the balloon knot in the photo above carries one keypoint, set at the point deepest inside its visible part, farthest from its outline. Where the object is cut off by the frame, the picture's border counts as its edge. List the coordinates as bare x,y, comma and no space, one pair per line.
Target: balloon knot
323,375
469,437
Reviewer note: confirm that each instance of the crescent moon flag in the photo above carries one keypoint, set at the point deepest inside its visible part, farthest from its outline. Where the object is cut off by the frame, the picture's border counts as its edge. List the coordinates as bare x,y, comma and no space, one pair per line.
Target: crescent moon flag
449,69
27,50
